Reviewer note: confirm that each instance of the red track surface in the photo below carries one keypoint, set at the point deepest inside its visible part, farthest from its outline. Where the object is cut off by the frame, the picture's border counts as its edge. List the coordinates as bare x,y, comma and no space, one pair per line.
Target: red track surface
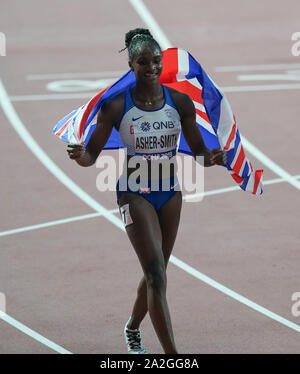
75,283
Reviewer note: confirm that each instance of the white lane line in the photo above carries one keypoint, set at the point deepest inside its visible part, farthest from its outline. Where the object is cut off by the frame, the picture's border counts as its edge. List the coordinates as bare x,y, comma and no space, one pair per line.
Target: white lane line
33,334
60,175
69,96
235,295
88,95
93,215
263,67
47,162
233,188
53,223
95,74
269,77
251,148
163,40
262,87
156,30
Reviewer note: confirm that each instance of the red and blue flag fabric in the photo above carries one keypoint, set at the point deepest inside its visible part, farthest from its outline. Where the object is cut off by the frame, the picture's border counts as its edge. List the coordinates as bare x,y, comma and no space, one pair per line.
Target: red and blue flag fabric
214,116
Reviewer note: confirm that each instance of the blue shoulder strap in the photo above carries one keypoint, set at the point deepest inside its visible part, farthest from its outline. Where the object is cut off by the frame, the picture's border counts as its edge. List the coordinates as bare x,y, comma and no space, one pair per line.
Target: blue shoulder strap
168,97
128,101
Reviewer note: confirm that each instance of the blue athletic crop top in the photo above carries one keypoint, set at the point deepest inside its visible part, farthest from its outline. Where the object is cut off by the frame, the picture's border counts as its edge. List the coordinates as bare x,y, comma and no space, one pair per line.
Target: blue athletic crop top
152,134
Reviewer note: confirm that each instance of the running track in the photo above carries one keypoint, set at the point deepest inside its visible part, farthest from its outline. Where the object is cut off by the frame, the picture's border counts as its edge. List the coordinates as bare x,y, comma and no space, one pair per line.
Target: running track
67,270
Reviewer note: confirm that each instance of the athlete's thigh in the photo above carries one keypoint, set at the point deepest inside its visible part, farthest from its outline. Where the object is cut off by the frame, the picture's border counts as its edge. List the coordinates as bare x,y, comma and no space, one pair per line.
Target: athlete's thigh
143,230
169,217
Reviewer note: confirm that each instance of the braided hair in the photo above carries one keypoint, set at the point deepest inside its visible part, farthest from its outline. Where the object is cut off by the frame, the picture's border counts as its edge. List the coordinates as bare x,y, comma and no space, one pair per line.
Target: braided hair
138,38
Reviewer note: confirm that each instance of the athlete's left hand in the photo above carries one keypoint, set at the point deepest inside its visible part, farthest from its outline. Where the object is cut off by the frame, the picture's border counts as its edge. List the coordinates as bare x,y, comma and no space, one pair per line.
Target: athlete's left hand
218,157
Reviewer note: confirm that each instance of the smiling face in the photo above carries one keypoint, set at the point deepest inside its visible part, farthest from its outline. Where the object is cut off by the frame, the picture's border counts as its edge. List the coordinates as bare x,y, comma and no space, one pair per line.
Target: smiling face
147,64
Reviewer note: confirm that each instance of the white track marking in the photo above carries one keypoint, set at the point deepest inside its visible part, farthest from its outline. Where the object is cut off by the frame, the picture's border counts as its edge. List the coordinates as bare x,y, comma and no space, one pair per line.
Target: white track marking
234,295
53,223
269,163
268,77
93,215
230,189
89,95
97,74
58,173
69,96
266,67
33,334
147,17
263,87
47,162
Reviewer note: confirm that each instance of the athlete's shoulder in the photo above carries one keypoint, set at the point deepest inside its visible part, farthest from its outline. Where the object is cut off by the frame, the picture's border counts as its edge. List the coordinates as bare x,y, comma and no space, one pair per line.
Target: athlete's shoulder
181,100
112,109
114,103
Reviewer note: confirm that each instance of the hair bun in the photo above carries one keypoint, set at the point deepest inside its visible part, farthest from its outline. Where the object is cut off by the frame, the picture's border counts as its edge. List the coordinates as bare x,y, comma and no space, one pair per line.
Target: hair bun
132,33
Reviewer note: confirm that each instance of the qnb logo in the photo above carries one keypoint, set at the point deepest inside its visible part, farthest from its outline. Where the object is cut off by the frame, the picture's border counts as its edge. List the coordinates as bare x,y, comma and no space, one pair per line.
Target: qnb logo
296,46
145,126
2,304
163,125
296,305
2,44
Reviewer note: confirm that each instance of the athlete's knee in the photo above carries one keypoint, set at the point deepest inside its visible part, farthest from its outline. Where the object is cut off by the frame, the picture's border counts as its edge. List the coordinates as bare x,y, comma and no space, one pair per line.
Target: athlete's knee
156,277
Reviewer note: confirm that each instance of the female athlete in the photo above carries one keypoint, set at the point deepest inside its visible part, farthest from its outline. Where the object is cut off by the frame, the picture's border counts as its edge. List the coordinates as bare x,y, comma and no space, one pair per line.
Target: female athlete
149,117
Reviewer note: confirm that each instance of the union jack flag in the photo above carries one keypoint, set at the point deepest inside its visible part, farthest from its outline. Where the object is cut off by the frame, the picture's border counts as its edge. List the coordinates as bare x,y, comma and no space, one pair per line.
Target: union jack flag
214,116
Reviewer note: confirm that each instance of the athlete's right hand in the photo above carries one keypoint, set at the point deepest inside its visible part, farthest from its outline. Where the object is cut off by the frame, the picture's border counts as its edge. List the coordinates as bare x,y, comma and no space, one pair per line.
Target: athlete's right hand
75,151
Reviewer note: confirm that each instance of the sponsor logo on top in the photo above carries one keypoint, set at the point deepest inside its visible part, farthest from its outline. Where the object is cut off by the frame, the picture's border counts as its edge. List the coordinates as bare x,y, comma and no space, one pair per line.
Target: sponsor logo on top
135,119
157,125
145,126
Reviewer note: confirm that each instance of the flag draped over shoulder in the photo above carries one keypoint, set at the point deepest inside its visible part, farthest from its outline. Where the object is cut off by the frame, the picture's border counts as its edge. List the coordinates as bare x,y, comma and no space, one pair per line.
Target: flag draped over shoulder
213,116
